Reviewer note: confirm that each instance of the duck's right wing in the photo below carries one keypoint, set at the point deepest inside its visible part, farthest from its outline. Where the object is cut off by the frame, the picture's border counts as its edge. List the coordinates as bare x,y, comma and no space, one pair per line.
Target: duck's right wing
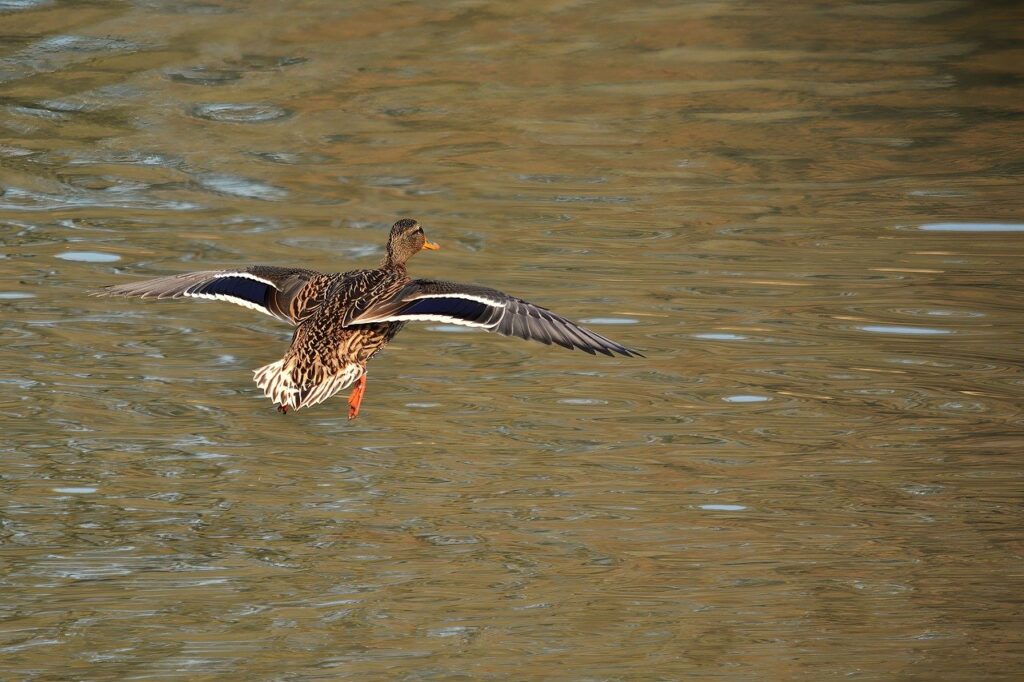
487,309
284,293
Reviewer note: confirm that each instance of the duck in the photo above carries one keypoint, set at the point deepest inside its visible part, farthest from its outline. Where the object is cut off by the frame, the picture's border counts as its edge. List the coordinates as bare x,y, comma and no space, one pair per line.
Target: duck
342,320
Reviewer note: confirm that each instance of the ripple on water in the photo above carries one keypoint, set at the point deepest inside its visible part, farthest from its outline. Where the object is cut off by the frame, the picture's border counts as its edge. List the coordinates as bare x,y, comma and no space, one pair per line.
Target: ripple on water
560,179
89,256
972,227
452,631
720,336
68,43
15,295
260,62
389,181
291,158
942,193
935,312
130,158
39,112
329,246
746,398
623,233
236,186
609,320
451,329
441,540
13,5
580,199
902,329
922,489
19,199
240,113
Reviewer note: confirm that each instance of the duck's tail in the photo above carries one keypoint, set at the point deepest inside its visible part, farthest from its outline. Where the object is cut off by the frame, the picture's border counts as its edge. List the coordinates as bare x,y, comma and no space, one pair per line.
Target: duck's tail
277,384
280,383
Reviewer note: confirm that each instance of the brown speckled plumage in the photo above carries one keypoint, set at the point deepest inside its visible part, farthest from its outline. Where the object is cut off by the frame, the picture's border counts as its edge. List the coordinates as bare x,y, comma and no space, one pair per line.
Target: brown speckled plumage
343,319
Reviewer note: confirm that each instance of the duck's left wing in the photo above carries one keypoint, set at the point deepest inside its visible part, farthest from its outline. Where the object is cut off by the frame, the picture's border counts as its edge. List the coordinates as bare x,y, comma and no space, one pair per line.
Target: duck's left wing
488,309
278,292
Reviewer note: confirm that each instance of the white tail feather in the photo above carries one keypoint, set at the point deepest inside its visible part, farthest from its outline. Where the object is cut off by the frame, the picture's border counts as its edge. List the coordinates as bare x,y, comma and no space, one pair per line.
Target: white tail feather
278,384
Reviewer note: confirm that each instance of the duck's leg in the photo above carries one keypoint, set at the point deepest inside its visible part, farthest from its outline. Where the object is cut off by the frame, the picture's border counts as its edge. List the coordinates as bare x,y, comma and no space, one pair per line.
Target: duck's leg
282,409
355,399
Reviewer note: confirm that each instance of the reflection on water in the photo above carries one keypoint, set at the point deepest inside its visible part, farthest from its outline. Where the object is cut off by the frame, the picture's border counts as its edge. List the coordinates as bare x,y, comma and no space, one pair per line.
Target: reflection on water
806,217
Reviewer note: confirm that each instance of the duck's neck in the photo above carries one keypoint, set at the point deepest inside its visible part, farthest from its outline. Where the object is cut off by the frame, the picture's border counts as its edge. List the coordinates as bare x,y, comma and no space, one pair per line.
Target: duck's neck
391,263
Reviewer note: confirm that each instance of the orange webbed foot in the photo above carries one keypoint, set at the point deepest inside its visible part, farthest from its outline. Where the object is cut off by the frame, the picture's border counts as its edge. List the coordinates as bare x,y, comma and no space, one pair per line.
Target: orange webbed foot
356,397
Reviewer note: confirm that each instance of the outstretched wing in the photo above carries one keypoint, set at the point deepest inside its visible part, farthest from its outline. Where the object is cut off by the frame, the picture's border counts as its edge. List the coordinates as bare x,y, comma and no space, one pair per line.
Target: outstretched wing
489,309
278,292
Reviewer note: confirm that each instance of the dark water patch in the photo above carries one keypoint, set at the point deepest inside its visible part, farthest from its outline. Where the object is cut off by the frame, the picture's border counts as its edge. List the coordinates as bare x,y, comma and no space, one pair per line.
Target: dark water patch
258,62
201,75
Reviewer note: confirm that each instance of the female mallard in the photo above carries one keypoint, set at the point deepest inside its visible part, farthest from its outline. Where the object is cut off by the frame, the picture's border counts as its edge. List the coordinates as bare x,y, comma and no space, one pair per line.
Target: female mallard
343,319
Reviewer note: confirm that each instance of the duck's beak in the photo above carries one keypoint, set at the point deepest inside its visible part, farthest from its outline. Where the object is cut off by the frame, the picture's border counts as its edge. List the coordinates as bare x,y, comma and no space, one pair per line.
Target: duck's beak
431,245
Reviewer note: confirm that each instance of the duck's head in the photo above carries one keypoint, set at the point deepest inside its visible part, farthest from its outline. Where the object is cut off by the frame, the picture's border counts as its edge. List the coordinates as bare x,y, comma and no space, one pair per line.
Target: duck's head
406,240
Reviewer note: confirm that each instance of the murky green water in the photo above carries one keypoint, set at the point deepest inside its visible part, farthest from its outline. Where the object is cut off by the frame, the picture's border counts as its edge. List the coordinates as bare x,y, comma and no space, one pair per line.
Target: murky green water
807,215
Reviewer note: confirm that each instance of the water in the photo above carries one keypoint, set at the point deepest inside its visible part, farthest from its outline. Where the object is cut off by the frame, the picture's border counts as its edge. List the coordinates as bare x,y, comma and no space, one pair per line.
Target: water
807,216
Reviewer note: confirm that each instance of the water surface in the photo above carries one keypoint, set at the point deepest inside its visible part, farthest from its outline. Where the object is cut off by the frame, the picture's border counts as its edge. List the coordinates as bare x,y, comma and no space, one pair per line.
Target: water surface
806,215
